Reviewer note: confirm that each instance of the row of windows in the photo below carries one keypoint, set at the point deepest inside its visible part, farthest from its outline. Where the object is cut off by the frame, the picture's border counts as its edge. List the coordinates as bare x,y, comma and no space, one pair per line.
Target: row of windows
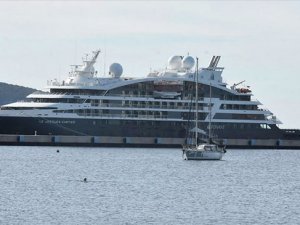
116,113
239,116
126,103
138,123
250,126
147,88
155,114
59,100
181,124
76,92
238,107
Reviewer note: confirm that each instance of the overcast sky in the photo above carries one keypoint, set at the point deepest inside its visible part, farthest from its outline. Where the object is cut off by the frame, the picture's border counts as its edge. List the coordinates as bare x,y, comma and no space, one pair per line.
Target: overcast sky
257,41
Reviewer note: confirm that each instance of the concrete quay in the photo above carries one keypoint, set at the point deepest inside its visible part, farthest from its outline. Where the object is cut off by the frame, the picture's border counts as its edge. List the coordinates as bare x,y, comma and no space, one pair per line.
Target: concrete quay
96,141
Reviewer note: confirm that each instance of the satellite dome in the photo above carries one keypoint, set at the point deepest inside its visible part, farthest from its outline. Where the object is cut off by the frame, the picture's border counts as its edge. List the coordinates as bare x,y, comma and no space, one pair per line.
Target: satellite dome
115,70
174,62
188,62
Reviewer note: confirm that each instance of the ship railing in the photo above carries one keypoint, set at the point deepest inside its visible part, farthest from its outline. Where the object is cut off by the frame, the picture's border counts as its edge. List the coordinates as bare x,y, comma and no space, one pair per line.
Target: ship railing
39,92
52,93
264,110
131,95
123,116
142,106
145,106
25,100
273,119
63,83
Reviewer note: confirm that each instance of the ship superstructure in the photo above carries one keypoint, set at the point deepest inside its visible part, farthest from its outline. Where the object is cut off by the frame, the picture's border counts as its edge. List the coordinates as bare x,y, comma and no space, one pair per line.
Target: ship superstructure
158,105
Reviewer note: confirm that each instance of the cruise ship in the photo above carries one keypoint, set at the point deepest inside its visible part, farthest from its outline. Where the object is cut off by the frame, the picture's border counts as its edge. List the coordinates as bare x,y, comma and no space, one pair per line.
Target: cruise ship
159,105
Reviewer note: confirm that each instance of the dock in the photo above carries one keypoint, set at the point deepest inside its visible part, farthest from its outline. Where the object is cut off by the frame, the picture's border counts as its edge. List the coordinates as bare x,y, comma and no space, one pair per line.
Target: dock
107,141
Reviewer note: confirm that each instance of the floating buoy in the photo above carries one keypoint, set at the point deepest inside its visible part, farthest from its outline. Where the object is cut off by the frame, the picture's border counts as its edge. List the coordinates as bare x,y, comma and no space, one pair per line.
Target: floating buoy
57,151
85,179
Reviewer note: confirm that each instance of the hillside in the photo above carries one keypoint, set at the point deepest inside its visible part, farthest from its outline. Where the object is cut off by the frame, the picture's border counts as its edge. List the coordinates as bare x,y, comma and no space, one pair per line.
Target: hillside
11,93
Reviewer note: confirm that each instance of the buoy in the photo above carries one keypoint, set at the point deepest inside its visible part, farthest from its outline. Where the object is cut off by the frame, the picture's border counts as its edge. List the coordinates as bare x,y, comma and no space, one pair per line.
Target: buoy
85,180
57,151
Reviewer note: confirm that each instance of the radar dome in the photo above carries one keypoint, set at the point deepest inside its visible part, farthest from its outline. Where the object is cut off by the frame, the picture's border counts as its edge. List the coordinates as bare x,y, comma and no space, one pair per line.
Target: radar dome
174,62
115,70
188,62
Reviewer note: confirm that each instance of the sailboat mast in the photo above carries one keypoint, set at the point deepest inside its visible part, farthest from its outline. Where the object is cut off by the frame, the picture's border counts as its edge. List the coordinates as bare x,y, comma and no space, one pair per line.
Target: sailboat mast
209,126
196,116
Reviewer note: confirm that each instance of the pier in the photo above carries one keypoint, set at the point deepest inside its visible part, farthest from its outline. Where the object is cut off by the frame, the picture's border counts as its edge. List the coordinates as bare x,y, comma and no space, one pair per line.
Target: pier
107,141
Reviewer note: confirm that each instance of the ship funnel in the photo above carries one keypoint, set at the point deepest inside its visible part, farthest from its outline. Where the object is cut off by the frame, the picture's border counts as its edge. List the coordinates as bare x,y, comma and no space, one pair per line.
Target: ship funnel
214,62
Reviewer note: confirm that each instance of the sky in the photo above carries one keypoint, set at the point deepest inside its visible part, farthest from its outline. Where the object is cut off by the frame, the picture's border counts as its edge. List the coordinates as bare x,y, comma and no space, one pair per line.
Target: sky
258,41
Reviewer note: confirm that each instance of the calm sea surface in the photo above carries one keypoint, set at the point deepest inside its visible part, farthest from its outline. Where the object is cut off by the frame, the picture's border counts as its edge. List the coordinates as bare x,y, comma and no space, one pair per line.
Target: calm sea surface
147,186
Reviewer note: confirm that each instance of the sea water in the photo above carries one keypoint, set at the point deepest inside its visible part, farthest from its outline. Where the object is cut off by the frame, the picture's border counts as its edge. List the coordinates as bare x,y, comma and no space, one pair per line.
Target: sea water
147,186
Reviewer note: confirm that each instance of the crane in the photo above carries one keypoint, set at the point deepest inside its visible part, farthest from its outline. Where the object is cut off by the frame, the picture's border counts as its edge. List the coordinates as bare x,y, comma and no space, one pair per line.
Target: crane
234,85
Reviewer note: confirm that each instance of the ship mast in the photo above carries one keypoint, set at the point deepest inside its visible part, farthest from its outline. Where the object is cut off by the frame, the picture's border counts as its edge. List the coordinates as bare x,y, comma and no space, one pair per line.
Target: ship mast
196,116
209,126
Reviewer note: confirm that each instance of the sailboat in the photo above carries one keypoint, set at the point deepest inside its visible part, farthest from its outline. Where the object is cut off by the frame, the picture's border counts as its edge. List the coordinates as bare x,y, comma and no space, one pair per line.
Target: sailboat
204,151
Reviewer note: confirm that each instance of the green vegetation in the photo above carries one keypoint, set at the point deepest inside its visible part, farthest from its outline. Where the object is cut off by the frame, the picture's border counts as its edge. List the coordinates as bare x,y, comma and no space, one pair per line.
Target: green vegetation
11,93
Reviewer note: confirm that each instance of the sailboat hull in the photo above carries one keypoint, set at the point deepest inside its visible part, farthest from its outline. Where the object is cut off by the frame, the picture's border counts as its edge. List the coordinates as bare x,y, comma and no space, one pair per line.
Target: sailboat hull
202,155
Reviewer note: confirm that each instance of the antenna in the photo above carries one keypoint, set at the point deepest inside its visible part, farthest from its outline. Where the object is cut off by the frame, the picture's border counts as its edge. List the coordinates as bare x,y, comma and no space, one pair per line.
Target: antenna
75,53
104,61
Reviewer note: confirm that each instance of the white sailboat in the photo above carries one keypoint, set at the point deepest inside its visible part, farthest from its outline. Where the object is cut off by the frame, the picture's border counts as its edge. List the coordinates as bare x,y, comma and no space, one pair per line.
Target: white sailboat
206,151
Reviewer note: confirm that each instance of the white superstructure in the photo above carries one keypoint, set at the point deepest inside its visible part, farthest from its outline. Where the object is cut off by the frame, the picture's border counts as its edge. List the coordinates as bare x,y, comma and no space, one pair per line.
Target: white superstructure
160,96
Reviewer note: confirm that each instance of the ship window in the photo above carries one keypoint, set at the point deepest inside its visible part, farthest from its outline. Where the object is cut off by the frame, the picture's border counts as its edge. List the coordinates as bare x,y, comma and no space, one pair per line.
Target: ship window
88,112
265,126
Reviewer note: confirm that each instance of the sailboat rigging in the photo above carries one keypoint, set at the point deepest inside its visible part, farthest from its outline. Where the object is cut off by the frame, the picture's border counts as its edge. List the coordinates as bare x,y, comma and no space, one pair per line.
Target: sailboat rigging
206,151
